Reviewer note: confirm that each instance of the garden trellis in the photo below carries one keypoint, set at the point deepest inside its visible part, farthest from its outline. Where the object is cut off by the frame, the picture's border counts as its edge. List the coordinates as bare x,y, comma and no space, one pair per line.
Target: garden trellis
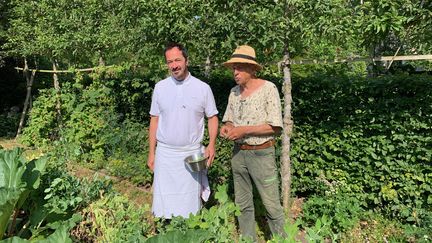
30,75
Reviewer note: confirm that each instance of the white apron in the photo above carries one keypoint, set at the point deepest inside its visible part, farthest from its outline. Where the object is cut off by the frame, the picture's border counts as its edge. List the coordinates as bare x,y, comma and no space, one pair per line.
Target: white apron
177,190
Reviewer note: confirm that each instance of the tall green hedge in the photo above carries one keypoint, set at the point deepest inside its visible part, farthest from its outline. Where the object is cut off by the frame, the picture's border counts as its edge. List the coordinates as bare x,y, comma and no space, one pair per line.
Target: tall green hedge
370,137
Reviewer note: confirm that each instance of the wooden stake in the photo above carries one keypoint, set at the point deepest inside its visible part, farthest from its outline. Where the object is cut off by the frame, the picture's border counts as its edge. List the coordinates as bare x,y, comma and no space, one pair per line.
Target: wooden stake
29,81
58,94
286,135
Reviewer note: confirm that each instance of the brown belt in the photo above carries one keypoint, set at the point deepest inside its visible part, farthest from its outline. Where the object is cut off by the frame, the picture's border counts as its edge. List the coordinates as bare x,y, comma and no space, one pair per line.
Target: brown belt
255,147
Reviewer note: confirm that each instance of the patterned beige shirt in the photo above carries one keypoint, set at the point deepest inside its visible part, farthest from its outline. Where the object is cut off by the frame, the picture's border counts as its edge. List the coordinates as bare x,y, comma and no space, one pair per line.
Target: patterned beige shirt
261,107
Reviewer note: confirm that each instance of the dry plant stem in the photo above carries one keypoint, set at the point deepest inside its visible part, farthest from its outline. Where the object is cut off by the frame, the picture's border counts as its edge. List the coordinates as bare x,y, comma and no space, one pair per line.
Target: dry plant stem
12,224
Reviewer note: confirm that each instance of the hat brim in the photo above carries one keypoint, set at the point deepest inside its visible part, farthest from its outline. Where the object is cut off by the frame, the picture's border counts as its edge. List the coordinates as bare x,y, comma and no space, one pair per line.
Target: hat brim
235,60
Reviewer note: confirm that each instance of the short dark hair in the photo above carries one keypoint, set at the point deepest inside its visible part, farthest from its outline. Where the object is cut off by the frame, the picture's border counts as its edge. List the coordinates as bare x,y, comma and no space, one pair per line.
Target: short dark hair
172,45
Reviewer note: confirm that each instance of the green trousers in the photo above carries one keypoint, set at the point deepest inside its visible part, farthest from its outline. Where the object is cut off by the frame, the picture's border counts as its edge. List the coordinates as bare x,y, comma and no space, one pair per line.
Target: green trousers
257,166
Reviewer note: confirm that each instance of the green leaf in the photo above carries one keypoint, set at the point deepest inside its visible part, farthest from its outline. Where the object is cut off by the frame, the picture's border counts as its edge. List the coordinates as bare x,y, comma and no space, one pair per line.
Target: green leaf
221,195
178,236
8,199
12,167
15,239
32,174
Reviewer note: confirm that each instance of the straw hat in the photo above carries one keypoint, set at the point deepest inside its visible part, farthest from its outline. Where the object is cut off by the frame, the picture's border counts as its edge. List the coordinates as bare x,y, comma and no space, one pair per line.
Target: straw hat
243,54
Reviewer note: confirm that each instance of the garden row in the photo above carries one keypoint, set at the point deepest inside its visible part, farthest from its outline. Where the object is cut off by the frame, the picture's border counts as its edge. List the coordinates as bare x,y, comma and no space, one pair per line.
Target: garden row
41,202
360,145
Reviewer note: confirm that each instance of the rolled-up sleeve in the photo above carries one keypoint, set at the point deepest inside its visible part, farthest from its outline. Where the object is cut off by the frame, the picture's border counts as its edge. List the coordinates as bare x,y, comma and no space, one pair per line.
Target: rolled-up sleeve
154,108
228,116
274,109
210,108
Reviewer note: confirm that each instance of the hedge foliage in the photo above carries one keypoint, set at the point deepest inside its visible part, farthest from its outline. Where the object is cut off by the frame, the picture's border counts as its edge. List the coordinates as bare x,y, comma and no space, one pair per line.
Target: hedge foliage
371,138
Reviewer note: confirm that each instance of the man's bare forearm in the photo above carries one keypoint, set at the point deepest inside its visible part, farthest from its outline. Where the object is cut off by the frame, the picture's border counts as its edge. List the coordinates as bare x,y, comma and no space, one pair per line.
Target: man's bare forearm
235,133
261,130
213,123
152,133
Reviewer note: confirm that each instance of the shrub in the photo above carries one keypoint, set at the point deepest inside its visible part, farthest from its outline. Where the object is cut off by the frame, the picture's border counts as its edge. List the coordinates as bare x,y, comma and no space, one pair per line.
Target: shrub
366,137
41,126
87,117
8,124
114,219
218,221
128,151
337,213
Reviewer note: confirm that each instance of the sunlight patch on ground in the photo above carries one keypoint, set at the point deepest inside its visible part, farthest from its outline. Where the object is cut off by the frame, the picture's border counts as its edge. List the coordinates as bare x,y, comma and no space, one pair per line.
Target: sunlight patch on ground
9,143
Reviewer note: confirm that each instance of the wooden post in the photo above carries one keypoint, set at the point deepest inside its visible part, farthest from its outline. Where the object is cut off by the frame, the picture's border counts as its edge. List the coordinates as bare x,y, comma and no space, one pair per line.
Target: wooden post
29,81
207,67
102,71
101,62
57,88
286,135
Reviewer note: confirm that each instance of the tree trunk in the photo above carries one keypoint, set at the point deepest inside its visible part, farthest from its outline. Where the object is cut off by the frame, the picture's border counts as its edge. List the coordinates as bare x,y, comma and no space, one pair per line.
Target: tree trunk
29,80
288,127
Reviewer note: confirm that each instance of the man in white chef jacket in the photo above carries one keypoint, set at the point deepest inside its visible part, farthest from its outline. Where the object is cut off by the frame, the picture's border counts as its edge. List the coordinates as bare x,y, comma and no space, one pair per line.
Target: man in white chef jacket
179,106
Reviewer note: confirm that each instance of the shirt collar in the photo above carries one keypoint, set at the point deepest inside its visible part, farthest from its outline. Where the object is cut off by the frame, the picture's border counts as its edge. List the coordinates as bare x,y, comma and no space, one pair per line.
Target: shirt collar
185,81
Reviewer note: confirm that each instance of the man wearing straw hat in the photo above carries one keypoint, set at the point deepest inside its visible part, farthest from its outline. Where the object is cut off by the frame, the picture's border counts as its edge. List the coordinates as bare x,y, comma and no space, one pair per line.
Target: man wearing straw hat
179,106
252,118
